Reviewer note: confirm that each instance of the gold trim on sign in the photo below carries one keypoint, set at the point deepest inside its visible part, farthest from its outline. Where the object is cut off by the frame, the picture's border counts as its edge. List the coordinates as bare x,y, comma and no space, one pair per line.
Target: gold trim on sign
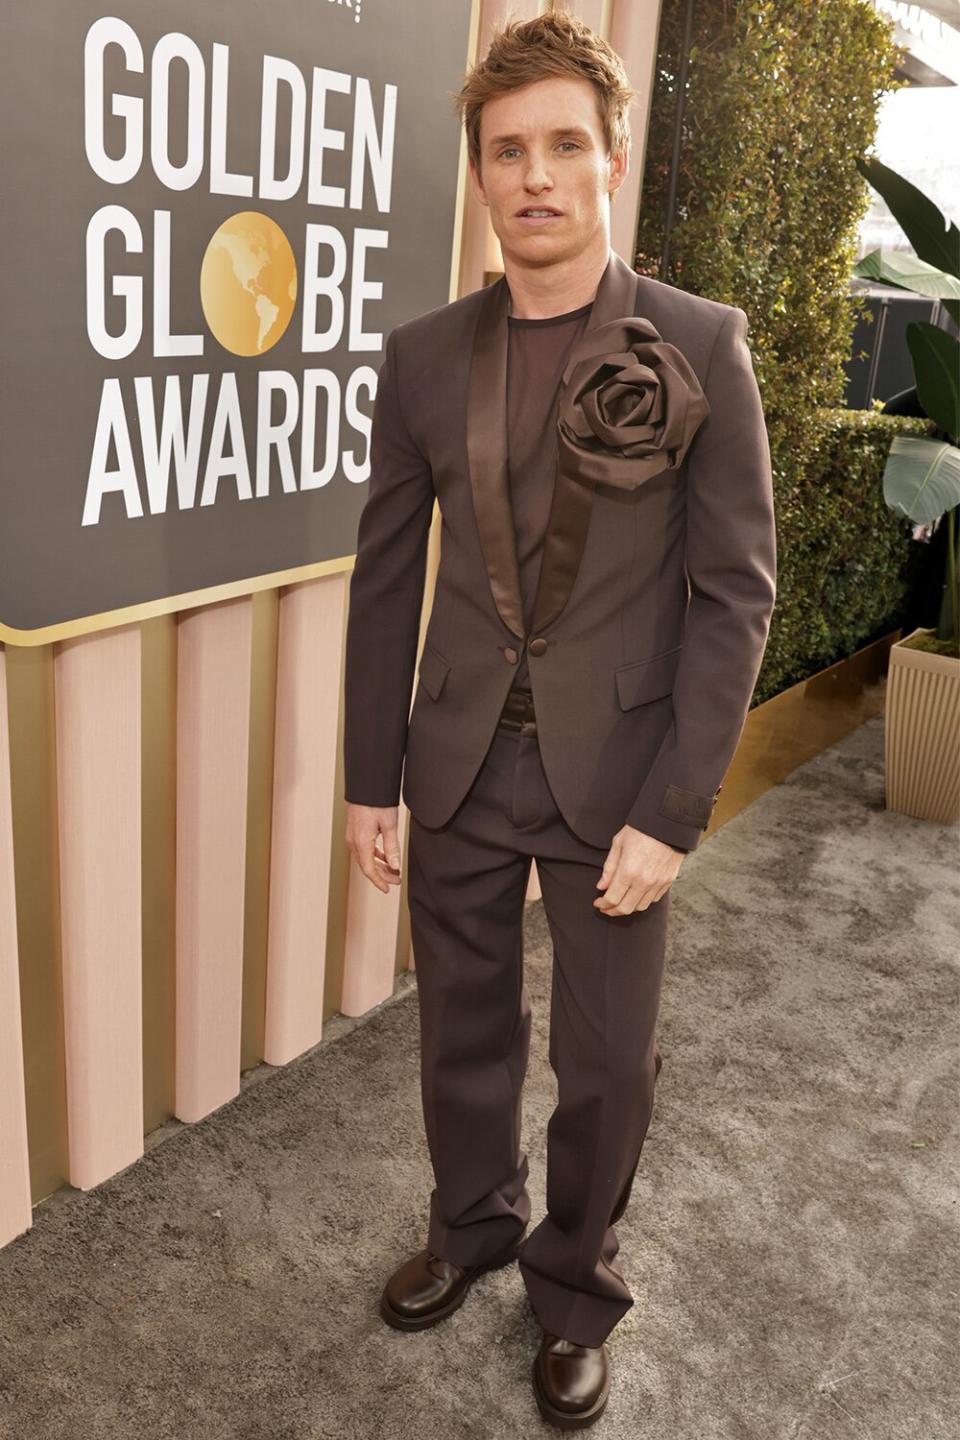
189,600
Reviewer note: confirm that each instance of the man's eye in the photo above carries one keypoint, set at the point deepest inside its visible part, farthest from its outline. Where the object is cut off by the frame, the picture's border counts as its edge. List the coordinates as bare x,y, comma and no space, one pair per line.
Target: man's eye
513,149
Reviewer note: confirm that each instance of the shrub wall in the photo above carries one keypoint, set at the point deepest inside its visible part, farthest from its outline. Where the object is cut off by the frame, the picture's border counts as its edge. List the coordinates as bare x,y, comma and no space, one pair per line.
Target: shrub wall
780,96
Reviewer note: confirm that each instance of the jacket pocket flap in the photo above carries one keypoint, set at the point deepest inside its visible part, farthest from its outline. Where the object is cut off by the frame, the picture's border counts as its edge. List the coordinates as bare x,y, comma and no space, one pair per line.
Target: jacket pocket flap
432,670
649,679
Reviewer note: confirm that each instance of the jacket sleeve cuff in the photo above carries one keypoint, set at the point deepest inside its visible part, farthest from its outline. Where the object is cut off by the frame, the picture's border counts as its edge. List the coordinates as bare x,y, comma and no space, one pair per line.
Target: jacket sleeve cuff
679,819
351,799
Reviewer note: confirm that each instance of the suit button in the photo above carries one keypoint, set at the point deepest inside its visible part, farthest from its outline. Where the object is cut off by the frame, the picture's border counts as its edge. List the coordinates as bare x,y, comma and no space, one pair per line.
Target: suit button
537,647
511,655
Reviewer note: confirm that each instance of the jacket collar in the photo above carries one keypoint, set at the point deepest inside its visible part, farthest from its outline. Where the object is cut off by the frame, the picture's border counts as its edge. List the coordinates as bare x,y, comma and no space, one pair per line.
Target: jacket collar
617,296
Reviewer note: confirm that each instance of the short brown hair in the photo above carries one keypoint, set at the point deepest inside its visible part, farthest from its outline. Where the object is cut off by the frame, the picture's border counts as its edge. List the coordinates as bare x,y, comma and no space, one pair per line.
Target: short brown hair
552,44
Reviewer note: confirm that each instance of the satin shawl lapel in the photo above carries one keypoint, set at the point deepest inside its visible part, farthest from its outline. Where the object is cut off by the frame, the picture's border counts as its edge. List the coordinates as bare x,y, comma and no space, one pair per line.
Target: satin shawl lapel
563,545
487,454
487,458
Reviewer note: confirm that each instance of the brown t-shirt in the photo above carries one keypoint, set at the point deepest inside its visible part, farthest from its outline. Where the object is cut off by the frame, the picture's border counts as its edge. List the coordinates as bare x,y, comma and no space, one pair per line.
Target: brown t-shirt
537,353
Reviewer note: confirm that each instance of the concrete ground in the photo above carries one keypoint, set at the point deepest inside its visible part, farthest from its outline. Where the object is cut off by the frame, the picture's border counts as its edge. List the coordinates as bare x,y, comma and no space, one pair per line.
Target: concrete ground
791,1240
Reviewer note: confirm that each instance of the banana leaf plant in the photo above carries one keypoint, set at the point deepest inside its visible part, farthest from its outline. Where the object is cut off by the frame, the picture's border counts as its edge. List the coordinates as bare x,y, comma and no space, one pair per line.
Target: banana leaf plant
922,476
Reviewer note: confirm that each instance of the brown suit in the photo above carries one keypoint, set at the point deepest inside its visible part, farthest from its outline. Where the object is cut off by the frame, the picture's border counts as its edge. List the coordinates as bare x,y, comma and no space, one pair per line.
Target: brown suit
649,627
640,697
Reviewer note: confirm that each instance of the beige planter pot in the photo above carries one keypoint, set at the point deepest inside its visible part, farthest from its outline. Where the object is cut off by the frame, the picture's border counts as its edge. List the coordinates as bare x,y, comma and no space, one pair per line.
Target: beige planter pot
922,733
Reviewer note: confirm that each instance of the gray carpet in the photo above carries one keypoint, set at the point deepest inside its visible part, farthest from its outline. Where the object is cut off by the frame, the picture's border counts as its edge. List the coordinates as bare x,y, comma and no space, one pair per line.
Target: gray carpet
791,1240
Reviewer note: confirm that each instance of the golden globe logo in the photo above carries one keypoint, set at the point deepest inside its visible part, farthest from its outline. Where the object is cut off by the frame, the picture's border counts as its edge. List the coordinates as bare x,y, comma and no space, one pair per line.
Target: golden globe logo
248,287
248,283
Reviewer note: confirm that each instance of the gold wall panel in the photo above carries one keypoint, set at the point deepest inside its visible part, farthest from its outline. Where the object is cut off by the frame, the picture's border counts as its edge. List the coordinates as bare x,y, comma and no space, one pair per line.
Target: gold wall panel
263,693
800,722
33,796
158,776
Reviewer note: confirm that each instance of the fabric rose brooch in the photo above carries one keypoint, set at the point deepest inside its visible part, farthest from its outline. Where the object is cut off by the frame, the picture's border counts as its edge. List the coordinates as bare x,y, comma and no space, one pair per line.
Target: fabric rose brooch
630,408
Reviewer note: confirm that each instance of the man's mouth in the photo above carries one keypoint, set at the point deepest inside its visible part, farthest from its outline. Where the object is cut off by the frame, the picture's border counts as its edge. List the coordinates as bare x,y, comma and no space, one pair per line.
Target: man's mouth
538,212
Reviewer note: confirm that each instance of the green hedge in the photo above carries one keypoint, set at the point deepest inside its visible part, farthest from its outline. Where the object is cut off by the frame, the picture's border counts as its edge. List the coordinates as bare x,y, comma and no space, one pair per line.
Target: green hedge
781,96
845,559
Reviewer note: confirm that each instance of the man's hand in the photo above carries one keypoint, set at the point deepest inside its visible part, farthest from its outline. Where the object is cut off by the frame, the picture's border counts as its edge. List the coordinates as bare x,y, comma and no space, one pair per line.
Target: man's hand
637,871
364,824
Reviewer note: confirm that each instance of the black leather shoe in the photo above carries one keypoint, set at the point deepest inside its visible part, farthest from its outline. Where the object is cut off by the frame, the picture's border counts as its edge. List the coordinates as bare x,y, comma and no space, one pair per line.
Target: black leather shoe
426,1289
571,1382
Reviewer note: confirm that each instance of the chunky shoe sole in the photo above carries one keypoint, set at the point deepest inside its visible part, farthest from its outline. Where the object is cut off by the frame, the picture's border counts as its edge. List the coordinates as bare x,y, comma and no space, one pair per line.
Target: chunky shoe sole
423,1322
567,1419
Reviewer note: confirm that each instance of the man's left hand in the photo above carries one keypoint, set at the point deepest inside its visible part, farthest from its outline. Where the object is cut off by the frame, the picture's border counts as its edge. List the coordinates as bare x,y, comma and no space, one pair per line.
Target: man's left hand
637,871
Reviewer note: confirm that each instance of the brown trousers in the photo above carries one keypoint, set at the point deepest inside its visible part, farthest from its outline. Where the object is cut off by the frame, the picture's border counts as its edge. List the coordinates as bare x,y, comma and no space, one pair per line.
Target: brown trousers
466,888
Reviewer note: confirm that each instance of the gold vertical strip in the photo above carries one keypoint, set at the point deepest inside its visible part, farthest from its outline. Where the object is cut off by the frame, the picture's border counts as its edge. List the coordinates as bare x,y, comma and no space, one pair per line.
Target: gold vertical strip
158,803
16,1215
33,802
340,858
263,703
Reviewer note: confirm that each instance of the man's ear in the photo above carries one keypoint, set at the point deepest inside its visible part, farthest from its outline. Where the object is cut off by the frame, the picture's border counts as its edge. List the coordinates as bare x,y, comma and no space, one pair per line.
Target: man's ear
477,183
619,165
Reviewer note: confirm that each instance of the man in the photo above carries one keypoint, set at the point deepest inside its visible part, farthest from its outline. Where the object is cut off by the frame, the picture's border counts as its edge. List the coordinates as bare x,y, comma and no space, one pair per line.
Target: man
596,443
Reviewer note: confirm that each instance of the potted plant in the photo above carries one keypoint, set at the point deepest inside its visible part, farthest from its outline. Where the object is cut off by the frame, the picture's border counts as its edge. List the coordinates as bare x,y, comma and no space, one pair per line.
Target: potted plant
922,481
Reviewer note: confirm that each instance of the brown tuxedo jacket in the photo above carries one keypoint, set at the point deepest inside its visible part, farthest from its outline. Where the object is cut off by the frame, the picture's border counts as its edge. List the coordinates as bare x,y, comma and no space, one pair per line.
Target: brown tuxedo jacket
653,606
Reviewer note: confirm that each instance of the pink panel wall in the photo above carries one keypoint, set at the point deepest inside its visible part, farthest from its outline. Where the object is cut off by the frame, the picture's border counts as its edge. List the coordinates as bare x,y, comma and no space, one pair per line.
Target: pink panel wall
97,698
213,730
304,781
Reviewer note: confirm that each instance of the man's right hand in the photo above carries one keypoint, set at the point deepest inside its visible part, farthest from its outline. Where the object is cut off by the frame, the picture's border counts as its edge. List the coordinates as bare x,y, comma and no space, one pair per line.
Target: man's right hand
364,824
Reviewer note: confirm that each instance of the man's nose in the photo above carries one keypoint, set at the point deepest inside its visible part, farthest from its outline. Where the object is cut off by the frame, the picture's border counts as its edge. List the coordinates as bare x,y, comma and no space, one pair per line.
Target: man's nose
538,177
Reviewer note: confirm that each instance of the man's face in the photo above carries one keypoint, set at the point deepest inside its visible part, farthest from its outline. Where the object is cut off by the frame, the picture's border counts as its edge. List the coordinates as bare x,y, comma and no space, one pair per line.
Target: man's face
543,147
